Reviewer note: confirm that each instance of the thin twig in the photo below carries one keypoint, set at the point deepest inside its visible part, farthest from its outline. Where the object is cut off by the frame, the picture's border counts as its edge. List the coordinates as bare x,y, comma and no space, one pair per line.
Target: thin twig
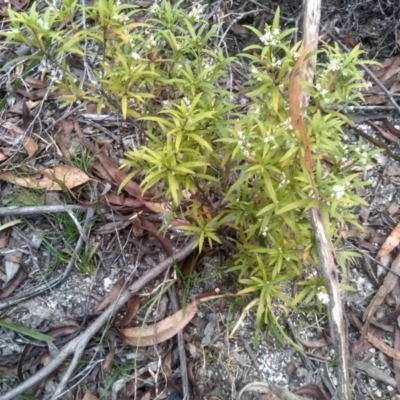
38,210
181,347
76,345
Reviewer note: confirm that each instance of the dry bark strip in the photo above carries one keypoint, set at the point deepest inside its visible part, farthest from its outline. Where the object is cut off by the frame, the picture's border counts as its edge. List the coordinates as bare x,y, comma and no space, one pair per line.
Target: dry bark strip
77,346
326,260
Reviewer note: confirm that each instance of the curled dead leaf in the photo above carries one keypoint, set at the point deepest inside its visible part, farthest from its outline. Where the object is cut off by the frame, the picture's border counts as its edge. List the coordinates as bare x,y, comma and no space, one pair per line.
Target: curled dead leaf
161,331
390,243
48,179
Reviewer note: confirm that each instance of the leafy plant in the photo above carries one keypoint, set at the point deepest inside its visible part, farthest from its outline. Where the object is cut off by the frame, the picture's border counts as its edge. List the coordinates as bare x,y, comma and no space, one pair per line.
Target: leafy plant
230,163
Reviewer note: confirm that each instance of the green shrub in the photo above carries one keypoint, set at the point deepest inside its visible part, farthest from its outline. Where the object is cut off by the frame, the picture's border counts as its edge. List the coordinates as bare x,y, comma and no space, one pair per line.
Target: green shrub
227,160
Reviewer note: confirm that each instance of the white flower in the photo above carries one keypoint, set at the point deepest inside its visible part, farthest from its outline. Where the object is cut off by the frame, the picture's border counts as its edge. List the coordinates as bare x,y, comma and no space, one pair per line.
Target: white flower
154,8
253,70
339,191
187,101
334,65
196,12
323,297
136,56
267,39
268,139
324,92
270,38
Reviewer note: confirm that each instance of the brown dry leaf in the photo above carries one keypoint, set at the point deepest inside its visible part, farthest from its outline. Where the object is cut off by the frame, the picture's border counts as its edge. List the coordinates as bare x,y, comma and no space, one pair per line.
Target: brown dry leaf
386,135
41,93
30,146
115,292
396,85
390,243
240,30
314,344
16,5
376,99
48,178
160,332
383,347
391,128
17,108
295,106
391,67
106,365
36,83
121,200
118,176
63,139
393,208
89,396
166,242
132,308
387,286
354,233
18,278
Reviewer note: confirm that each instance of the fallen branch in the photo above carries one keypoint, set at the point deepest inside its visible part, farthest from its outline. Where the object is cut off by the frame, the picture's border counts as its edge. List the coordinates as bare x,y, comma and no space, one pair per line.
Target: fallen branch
78,345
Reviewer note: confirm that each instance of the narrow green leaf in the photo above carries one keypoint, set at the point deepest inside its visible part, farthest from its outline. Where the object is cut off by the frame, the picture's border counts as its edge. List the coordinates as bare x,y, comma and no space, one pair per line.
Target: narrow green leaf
27,332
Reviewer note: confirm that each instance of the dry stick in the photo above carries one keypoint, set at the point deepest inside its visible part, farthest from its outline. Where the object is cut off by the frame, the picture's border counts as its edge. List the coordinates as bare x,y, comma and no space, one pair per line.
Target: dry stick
78,345
54,281
38,210
181,347
324,247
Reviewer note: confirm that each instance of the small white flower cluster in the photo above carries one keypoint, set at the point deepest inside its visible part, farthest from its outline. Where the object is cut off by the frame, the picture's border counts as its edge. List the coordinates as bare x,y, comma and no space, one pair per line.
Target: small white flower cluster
268,139
270,38
45,65
151,42
256,110
154,8
243,144
264,231
323,92
276,62
187,102
207,63
136,56
254,71
120,18
56,75
334,65
283,180
43,24
339,191
296,55
323,297
196,12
